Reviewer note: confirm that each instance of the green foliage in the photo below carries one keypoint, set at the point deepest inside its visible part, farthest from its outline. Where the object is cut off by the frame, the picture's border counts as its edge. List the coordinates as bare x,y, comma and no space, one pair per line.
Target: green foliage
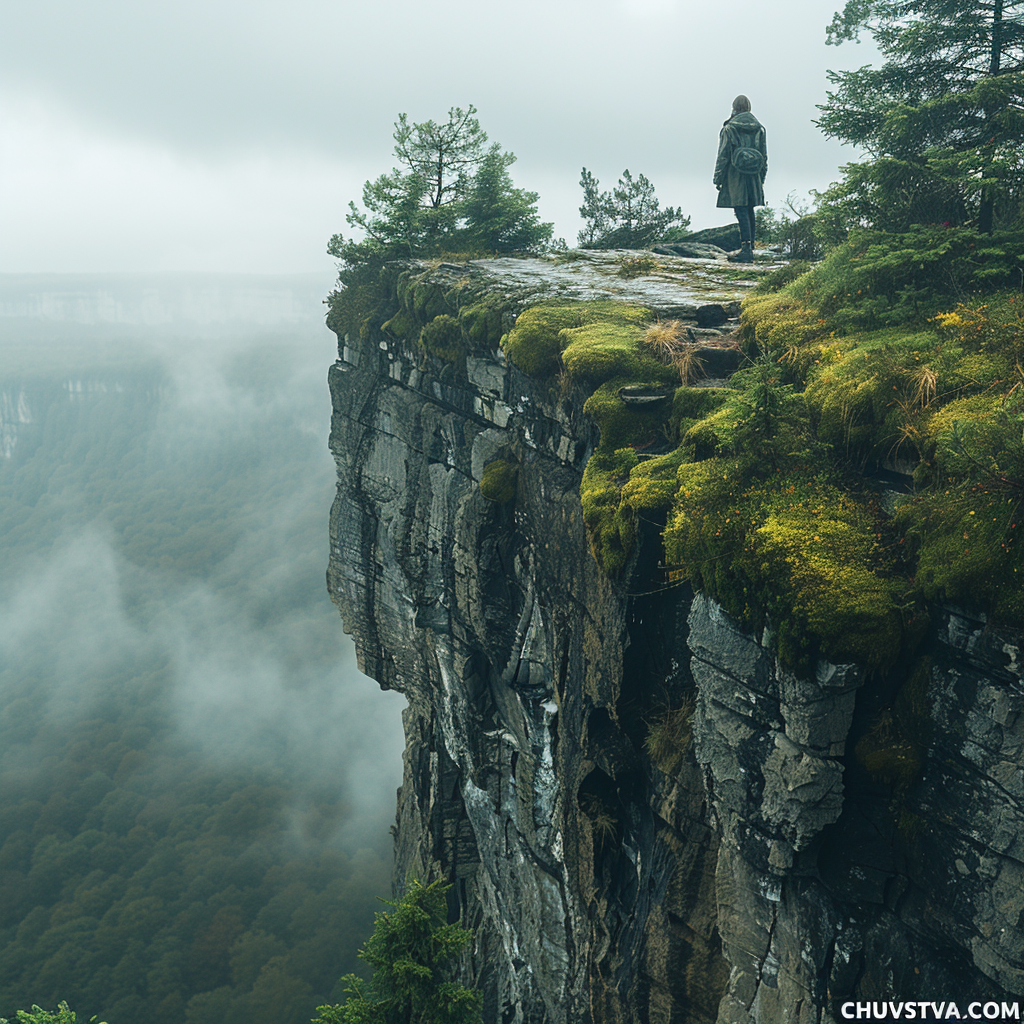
781,276
942,117
412,952
501,218
943,394
449,194
446,319
792,547
610,524
499,481
63,1014
965,539
877,279
794,228
628,217
363,301
653,483
610,347
442,337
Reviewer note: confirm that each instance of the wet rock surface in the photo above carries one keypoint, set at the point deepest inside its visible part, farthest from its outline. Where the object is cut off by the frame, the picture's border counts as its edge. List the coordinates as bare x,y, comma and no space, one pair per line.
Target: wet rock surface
755,871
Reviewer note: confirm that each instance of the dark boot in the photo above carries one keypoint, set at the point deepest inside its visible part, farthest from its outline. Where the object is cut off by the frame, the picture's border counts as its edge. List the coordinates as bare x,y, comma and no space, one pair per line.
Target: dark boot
745,255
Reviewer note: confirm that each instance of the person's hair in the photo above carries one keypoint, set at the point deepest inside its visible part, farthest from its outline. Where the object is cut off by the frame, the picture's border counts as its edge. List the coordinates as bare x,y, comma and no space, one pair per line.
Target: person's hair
740,105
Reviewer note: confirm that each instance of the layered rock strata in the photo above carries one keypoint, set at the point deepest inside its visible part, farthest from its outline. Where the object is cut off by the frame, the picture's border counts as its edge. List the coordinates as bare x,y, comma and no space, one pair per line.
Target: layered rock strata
645,816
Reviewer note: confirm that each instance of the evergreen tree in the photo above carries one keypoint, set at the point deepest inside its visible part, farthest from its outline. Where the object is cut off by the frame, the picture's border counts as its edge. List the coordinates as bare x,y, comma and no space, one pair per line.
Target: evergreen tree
628,217
941,119
411,952
499,216
448,193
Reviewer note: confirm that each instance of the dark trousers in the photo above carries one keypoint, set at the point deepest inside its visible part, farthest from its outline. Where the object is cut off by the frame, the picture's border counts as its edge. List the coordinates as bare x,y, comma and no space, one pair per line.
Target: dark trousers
745,215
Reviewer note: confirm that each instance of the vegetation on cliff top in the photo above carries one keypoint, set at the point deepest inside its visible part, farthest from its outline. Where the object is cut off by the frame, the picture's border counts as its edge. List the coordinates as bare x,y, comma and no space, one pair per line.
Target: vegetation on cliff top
628,217
861,361
449,193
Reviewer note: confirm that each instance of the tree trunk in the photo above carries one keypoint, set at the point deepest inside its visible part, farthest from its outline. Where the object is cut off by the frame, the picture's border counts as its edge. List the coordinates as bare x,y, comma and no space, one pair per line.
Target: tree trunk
985,210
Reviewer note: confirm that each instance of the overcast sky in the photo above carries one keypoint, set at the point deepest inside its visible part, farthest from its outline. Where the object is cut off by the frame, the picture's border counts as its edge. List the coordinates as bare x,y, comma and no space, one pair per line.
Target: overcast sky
230,135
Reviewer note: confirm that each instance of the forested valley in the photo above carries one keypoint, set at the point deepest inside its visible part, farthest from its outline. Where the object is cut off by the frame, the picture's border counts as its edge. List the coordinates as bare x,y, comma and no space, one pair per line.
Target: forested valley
198,783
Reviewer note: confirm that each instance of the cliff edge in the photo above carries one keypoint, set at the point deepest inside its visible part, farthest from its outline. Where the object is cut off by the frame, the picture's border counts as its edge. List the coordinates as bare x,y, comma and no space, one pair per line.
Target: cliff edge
671,781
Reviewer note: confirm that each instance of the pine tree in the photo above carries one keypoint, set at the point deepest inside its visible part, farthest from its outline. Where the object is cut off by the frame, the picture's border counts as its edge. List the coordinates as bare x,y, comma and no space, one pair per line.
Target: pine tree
499,216
449,193
628,217
941,119
411,952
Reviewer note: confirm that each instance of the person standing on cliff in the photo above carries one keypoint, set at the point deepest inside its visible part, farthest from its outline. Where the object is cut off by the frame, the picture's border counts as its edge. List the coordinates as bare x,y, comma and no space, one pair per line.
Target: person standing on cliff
740,170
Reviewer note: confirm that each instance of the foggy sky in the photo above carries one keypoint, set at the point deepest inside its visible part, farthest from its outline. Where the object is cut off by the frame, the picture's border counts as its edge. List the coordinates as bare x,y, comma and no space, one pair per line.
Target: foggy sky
222,135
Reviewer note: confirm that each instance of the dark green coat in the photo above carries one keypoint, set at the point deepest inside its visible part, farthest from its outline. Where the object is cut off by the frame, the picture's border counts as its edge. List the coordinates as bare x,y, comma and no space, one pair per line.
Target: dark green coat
740,189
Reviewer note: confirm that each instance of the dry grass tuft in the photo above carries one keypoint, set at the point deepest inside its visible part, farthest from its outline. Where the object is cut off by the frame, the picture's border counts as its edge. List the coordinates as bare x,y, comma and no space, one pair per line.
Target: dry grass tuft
664,337
671,342
688,363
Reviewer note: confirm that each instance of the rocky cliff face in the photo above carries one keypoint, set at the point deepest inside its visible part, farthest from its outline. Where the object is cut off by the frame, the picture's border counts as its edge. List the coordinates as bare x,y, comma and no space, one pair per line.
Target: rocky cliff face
646,816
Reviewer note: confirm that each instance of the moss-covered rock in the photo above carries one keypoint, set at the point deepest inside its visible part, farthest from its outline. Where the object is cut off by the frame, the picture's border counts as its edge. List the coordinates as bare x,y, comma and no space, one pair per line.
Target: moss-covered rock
499,479
611,526
967,547
791,549
442,337
538,342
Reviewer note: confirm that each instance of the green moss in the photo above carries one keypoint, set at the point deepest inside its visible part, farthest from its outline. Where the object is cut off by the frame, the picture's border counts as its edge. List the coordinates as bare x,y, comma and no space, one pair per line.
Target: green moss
481,322
961,431
780,321
621,424
653,483
696,403
817,557
429,300
605,349
967,547
793,548
535,343
498,482
442,337
854,361
780,277
611,527
402,325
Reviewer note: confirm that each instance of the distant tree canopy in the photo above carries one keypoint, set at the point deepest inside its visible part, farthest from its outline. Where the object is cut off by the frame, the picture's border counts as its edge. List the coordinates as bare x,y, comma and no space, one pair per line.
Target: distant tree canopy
139,879
450,193
628,217
941,120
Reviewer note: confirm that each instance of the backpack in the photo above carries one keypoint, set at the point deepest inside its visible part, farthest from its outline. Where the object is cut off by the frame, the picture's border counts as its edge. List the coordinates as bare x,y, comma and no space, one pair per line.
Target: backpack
747,160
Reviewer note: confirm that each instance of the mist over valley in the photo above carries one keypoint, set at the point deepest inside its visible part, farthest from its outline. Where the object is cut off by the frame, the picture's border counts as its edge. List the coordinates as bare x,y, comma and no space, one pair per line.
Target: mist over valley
198,782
